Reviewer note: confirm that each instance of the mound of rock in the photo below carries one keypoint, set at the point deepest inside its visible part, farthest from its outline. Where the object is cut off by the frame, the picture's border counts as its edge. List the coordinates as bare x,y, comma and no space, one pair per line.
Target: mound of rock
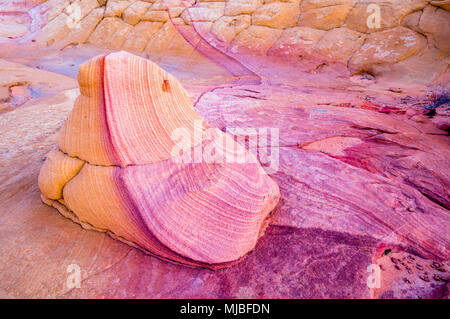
120,170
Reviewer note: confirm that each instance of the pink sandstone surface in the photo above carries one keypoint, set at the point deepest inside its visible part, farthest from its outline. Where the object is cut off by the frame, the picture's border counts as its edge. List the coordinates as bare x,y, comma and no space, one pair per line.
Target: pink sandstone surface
363,121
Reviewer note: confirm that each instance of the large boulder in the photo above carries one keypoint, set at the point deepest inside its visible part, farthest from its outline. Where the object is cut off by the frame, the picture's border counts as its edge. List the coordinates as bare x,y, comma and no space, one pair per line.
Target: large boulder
147,185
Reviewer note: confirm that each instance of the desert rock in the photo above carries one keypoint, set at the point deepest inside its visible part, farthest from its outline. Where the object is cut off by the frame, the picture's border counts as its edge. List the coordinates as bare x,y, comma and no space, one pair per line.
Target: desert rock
115,146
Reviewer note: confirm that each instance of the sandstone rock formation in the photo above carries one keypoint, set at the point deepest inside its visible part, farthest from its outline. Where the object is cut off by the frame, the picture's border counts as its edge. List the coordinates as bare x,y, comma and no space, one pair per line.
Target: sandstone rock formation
118,143
248,27
362,112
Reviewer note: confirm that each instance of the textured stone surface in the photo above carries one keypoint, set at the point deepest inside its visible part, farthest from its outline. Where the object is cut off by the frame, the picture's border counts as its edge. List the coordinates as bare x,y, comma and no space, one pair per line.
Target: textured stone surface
226,28
140,35
340,44
391,13
255,39
207,11
115,8
156,16
110,33
133,13
297,41
325,230
20,84
168,40
362,170
276,15
387,47
325,18
236,7
315,4
405,276
55,30
82,33
14,25
435,23
444,4
50,23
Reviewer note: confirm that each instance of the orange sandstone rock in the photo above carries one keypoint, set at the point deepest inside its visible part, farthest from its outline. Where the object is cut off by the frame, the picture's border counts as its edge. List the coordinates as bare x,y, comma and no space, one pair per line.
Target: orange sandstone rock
117,171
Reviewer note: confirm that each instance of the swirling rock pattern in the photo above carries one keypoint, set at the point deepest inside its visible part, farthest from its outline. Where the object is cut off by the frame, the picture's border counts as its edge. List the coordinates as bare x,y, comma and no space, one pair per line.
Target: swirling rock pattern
115,172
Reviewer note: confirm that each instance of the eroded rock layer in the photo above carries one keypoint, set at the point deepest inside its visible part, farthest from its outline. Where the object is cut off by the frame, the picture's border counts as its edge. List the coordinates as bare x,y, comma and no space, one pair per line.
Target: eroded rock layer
365,36
116,171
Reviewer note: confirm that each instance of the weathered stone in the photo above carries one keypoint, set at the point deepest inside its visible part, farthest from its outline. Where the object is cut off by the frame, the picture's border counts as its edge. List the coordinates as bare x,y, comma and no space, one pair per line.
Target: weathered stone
132,15
411,21
207,11
276,15
407,276
226,28
297,41
255,39
160,5
158,16
81,32
55,30
435,23
168,40
54,8
291,1
175,11
110,33
363,16
203,27
236,7
324,18
340,44
185,17
138,38
387,47
115,8
444,4
14,25
354,171
78,9
178,21
306,5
